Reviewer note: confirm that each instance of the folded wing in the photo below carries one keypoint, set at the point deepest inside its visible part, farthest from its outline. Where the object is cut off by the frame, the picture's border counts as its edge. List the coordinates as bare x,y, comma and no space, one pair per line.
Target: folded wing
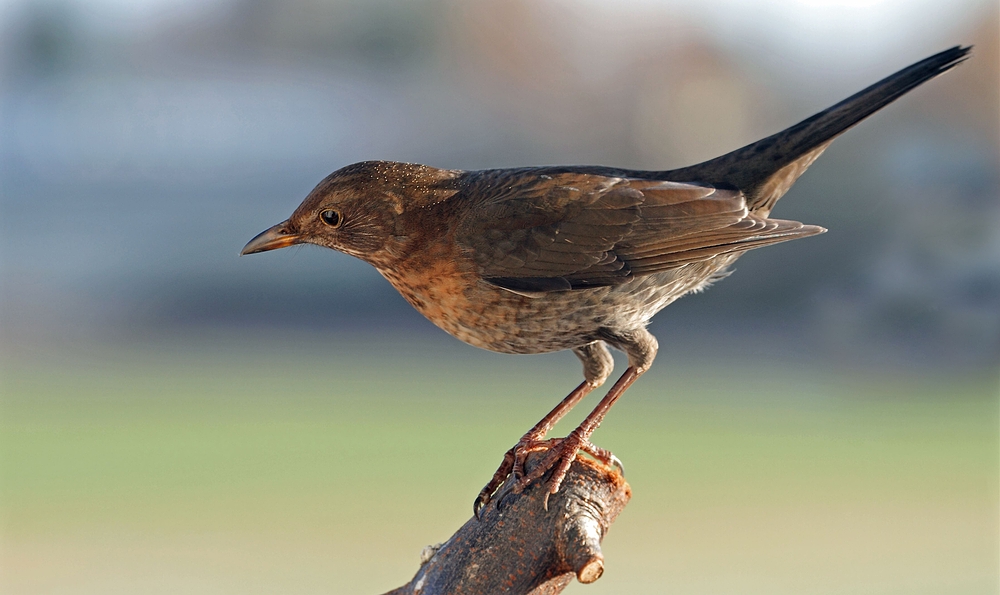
567,231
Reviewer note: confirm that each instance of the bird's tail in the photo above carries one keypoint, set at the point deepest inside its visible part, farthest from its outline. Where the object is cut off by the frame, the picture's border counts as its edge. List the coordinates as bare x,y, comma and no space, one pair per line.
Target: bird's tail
766,169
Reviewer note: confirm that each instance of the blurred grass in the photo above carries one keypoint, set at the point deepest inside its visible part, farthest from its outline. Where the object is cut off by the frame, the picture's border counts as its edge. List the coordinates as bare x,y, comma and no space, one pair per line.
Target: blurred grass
312,468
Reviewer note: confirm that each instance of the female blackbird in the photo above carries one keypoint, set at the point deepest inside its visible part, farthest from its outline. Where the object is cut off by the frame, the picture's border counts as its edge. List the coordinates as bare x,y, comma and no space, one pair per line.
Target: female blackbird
540,259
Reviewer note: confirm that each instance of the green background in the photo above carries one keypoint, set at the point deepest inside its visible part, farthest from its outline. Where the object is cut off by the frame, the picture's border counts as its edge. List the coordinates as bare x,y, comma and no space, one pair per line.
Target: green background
307,467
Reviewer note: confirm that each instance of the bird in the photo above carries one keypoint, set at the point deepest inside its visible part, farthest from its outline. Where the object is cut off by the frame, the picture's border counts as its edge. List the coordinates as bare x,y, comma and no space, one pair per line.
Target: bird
540,259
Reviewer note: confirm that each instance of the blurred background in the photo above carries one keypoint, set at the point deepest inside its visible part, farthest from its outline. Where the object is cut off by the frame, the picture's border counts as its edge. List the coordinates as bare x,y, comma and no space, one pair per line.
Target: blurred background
177,419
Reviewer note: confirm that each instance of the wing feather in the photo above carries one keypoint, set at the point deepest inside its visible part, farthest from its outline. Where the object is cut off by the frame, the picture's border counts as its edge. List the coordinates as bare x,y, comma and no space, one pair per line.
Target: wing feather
533,233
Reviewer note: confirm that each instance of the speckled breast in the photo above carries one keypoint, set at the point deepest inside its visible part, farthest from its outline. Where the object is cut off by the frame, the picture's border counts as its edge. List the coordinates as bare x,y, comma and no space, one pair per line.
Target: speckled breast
492,318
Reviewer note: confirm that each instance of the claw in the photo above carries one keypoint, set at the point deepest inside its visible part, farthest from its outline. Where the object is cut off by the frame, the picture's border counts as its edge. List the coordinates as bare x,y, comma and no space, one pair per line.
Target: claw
615,461
567,453
486,494
562,453
603,455
479,504
511,466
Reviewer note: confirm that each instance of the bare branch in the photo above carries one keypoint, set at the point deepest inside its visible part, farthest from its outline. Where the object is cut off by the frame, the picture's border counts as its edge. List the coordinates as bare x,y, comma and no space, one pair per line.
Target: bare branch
520,548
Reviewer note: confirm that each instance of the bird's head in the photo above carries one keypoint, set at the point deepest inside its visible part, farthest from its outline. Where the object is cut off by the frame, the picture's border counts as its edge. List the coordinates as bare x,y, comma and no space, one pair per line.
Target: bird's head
357,209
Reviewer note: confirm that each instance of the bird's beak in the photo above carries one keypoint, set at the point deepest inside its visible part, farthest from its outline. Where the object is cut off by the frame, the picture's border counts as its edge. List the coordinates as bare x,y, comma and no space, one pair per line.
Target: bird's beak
272,239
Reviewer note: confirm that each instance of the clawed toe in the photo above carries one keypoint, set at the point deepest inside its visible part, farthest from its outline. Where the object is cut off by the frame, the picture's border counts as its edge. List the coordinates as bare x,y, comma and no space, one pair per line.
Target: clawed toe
521,451
561,454
615,461
486,494
603,455
511,466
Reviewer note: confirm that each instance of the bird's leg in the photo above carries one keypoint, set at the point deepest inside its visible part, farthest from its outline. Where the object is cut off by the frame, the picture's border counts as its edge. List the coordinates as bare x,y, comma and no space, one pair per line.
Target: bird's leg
513,459
597,366
562,455
641,348
534,438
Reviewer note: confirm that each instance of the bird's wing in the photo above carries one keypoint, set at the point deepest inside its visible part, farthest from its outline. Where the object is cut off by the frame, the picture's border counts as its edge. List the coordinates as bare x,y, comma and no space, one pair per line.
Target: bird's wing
533,233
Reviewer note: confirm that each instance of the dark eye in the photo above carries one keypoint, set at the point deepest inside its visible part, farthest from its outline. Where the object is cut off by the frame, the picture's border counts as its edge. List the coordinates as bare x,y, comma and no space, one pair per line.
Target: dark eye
331,218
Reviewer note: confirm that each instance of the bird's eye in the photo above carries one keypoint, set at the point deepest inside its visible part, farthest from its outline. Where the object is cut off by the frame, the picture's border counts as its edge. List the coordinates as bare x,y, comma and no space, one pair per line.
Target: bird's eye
331,218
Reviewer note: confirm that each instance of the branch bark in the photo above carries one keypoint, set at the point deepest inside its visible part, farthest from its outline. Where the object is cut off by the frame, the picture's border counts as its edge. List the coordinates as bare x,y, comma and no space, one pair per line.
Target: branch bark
520,548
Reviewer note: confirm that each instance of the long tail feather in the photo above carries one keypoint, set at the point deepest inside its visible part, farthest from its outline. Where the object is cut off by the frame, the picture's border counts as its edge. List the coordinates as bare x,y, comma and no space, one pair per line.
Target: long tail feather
764,170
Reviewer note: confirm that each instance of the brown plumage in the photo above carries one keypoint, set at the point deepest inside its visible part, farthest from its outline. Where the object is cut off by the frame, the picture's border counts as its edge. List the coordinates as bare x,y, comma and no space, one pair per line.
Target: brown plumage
541,259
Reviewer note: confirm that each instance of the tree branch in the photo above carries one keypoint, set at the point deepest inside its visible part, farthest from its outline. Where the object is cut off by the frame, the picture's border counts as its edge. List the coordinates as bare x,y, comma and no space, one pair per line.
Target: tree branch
520,548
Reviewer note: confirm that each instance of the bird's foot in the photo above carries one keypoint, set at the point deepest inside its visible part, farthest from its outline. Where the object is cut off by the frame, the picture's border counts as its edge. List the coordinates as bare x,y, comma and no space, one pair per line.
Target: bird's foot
512,464
559,458
562,452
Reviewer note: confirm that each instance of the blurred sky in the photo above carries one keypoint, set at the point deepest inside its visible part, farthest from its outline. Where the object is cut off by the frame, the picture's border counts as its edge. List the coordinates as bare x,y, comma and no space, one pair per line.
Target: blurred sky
142,143
813,26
